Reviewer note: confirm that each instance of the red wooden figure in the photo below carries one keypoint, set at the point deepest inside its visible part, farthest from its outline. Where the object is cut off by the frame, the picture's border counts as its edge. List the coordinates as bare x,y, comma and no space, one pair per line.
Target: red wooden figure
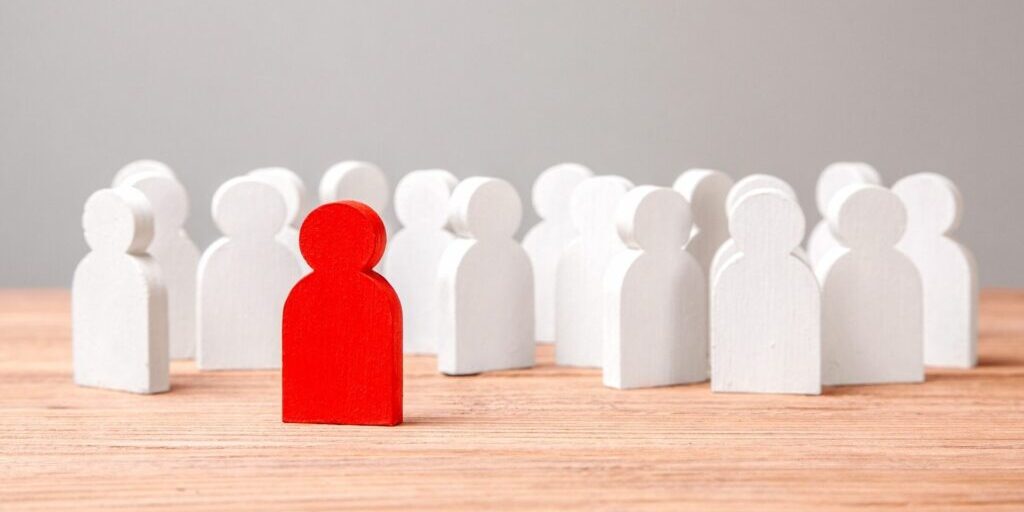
342,327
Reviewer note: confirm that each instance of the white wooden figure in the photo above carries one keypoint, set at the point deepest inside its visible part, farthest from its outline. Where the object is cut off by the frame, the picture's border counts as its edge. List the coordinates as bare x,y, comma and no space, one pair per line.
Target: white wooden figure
765,304
545,241
421,205
118,302
244,278
579,312
738,191
948,271
176,255
486,282
832,180
656,319
361,181
142,166
293,191
706,191
872,325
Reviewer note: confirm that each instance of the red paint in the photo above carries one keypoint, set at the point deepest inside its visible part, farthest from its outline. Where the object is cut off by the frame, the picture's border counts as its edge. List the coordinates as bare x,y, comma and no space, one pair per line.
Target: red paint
342,327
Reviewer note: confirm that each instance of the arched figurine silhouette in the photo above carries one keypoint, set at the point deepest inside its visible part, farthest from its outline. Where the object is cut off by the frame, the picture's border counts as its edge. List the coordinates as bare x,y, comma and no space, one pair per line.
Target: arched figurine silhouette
175,253
118,302
486,283
656,324
414,253
765,304
871,307
342,327
243,279
949,275
546,240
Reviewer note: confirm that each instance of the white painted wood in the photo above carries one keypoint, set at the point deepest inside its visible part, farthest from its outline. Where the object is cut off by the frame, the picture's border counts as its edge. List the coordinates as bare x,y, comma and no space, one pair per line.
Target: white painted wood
296,202
486,282
545,241
175,254
872,325
142,166
421,205
765,304
361,181
948,272
706,191
655,295
739,190
579,313
244,278
833,179
118,302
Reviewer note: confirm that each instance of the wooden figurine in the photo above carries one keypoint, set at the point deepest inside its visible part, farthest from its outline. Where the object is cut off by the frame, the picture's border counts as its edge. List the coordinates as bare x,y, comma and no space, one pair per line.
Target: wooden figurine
293,191
579,313
655,295
706,191
545,241
740,189
765,303
342,327
243,279
486,282
833,179
175,254
421,205
142,166
872,324
948,272
118,303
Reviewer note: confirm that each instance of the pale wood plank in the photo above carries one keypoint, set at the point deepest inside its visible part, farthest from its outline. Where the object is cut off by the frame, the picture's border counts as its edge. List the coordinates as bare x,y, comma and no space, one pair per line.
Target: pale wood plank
548,437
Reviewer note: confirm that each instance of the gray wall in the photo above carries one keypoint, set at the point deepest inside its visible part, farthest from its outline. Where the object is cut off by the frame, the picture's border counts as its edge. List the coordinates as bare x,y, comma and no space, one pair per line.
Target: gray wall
504,88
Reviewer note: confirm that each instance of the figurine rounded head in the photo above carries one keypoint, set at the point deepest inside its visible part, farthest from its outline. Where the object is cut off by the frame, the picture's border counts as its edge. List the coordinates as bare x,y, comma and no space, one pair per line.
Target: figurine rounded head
342,236
654,219
118,220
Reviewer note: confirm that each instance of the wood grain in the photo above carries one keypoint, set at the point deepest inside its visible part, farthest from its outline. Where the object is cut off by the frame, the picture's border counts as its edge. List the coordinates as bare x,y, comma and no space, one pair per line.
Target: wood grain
549,437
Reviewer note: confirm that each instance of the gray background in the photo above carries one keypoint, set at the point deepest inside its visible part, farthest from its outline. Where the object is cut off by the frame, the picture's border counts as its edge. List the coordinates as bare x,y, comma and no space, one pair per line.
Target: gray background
642,89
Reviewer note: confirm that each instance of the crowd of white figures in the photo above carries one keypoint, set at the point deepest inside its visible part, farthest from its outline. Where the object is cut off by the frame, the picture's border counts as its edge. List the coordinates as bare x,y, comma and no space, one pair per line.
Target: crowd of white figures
657,286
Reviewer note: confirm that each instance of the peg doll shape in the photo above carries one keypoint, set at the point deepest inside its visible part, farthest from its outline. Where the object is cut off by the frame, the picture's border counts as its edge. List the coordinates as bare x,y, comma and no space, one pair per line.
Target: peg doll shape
342,325
175,254
833,179
706,191
872,330
948,272
414,253
656,324
118,301
546,240
579,312
244,278
765,304
486,282
293,191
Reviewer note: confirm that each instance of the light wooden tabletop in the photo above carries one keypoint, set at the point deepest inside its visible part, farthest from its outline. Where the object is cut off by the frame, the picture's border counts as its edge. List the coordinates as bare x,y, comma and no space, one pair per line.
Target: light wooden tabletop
549,438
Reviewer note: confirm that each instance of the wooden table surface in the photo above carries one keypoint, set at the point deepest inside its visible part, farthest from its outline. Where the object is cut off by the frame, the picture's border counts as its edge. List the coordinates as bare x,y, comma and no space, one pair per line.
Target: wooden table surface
549,437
